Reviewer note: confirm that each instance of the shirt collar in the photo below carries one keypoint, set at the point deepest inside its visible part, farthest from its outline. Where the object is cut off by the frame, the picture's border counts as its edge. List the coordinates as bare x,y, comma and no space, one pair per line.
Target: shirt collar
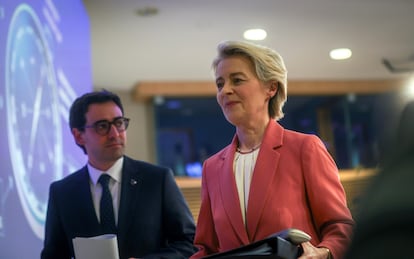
114,171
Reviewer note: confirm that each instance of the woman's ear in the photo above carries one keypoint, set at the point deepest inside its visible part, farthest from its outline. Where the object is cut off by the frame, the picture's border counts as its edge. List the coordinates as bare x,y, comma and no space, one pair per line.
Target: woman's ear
273,88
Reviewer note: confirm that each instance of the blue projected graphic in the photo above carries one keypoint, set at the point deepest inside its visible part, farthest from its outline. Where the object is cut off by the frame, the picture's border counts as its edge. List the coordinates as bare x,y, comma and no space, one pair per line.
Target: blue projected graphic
33,123
44,65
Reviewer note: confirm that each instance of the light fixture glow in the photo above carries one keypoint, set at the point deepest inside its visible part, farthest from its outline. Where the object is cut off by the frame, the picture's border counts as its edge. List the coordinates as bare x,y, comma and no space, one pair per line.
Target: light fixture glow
340,54
255,34
410,88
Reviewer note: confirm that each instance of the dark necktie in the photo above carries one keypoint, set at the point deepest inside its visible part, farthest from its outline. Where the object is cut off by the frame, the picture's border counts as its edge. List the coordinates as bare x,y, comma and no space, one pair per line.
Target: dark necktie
106,206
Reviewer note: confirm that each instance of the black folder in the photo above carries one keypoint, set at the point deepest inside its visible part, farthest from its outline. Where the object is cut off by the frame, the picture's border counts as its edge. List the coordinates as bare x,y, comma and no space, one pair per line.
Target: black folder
272,247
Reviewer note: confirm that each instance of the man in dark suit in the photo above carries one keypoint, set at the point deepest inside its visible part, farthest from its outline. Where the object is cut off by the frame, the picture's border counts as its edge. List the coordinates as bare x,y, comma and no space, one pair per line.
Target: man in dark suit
385,225
150,215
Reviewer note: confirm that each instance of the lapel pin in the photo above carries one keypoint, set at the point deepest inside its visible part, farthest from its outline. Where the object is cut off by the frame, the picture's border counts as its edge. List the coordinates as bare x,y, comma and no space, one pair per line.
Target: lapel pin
133,182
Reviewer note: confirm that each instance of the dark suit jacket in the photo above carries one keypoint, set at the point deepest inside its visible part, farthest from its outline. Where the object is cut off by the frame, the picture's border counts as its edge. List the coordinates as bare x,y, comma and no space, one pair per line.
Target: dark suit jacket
154,219
385,225
295,184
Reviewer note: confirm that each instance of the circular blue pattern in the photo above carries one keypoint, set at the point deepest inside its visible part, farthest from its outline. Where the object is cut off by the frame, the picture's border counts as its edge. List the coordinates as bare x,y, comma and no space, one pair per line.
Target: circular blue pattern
33,122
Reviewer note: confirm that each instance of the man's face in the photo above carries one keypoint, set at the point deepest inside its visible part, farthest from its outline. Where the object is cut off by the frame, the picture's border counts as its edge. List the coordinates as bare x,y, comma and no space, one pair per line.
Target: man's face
103,151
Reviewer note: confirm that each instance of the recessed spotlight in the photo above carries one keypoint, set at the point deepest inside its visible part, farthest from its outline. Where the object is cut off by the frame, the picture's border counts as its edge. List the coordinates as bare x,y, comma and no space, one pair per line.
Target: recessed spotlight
340,54
255,34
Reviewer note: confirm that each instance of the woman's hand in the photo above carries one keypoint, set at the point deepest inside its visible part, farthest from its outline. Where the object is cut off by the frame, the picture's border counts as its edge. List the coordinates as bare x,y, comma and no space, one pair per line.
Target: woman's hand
310,251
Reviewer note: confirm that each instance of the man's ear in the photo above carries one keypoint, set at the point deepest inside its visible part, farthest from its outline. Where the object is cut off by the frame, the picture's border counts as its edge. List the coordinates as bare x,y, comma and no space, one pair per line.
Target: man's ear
78,136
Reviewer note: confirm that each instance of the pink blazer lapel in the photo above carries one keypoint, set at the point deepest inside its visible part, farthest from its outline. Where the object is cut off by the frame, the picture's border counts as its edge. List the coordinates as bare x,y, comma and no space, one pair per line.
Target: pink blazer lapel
264,171
229,193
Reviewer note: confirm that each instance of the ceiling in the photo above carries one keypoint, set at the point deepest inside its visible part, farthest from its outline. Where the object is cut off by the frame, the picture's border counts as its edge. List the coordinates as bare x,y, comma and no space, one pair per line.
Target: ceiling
179,42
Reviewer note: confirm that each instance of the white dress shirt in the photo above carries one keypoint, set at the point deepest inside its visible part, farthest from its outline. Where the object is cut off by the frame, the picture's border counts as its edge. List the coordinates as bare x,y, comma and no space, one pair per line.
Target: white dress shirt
243,171
114,186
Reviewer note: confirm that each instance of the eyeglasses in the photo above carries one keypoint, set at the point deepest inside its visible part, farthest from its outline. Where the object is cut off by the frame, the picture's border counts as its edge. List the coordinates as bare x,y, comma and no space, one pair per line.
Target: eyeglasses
103,127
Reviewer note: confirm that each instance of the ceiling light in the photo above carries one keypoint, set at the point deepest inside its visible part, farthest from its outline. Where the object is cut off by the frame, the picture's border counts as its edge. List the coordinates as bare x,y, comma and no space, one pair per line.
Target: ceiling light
255,34
340,54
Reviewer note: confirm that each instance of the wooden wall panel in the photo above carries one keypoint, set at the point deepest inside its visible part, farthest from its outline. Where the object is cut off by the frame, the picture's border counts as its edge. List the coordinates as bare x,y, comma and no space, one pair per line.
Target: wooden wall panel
145,91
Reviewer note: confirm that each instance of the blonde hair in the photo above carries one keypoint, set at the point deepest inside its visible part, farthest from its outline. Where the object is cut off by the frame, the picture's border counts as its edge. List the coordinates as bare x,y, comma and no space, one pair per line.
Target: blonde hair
269,67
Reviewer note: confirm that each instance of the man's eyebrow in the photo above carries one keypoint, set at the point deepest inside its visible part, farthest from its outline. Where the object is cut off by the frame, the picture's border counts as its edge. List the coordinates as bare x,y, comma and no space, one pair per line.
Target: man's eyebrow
115,118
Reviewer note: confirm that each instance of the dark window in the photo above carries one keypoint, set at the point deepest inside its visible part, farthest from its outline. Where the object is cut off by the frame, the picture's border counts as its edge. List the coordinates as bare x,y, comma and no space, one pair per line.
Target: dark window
352,128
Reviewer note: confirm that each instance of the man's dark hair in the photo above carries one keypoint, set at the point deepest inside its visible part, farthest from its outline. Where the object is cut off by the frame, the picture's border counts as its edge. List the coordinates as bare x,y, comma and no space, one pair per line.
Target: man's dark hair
80,106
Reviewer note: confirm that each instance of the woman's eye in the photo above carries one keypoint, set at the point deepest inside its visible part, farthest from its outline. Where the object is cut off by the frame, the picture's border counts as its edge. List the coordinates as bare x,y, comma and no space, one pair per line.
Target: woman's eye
219,85
237,81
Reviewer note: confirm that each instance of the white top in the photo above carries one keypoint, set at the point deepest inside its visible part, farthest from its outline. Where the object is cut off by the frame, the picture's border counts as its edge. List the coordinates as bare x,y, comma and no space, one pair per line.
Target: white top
243,171
114,186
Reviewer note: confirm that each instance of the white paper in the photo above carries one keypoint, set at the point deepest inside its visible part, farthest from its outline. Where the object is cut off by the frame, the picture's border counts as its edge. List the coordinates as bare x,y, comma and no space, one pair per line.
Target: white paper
98,247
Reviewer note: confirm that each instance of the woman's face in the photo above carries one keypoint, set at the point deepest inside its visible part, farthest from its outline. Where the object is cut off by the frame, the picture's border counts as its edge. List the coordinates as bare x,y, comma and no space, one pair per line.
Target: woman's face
242,97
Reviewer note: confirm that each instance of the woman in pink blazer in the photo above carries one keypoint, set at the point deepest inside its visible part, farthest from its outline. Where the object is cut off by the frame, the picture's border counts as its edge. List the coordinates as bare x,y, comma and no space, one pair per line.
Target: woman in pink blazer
269,178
